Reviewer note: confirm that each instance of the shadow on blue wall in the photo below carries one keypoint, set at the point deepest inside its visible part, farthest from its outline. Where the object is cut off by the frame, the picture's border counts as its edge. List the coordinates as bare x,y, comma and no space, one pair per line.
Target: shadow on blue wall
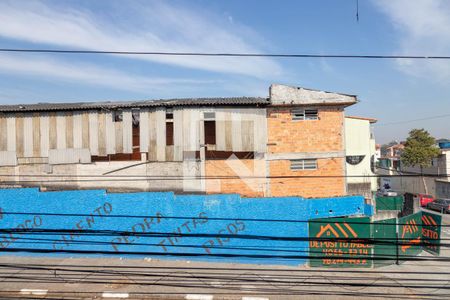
224,228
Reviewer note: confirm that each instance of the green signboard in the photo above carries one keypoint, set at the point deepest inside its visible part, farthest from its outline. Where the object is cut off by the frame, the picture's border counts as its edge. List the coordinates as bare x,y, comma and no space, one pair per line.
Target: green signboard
409,236
431,232
384,233
389,203
340,242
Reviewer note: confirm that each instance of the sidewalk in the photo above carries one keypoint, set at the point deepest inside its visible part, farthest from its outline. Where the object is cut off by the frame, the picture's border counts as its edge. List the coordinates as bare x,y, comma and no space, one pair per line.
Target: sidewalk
81,278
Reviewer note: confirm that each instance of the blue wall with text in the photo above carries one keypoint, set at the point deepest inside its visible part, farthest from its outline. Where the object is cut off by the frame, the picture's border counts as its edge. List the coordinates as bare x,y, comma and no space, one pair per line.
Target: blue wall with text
224,228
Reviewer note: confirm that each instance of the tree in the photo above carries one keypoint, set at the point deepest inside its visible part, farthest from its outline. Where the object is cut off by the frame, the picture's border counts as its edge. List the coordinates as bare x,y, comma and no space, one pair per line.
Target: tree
420,149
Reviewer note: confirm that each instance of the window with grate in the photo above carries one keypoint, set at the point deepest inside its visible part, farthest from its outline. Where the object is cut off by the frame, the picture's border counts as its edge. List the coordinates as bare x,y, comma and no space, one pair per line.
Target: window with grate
303,164
304,114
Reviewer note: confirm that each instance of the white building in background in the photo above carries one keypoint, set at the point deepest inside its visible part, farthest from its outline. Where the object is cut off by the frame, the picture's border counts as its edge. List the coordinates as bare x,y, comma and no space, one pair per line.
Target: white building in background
360,156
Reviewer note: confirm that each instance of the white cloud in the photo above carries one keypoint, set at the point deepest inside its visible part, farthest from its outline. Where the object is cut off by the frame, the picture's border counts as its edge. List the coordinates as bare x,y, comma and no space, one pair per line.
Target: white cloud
44,67
139,26
424,29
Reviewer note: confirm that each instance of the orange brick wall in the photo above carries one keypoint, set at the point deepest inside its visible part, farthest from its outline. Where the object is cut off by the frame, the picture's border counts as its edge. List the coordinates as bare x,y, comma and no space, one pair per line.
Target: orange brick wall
247,188
325,134
284,136
312,187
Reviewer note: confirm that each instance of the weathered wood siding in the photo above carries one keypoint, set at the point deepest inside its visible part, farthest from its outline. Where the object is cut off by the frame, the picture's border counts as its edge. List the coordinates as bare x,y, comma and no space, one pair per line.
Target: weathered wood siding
241,129
3,133
127,127
35,135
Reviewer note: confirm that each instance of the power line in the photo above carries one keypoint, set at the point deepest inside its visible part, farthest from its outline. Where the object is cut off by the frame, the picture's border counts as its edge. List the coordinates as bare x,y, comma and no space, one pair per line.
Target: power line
163,217
224,54
101,177
414,120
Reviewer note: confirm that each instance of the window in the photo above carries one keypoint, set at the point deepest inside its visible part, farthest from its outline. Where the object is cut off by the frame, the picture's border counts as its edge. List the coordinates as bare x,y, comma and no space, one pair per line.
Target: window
304,114
169,127
210,128
169,114
303,164
118,115
354,159
209,115
169,133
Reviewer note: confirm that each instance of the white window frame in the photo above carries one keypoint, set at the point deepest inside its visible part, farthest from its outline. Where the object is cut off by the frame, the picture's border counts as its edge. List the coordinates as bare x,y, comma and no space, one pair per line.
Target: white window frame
305,114
303,164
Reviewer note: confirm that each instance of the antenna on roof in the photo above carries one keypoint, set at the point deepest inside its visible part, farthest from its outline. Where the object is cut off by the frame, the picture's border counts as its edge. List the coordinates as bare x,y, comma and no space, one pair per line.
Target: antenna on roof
357,10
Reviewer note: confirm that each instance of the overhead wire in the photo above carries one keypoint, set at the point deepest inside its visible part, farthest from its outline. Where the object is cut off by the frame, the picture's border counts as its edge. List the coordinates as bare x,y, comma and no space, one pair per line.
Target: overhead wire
224,54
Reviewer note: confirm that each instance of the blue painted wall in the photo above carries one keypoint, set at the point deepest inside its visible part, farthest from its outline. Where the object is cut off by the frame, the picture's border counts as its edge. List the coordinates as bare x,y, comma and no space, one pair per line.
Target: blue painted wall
195,227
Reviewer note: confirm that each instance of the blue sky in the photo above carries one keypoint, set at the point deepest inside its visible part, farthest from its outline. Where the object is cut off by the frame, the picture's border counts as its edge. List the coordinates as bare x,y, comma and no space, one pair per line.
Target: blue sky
389,90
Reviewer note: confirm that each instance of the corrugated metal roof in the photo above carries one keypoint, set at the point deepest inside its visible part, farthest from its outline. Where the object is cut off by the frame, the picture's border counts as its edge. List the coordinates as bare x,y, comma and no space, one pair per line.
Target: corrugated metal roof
252,101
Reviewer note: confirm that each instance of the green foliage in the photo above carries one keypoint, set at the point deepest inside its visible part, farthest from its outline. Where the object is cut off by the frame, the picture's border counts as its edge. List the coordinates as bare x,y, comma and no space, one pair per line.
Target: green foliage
420,149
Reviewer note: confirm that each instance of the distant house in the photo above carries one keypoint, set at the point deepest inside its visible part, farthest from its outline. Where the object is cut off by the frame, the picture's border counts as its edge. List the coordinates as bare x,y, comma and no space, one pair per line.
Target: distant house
290,143
390,159
437,185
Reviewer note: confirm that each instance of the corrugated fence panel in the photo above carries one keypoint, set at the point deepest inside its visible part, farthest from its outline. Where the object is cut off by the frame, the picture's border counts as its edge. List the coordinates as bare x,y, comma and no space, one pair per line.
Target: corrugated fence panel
52,131
161,134
178,134
191,128
28,135
101,134
78,129
8,158
85,130
11,132
152,135
61,142
220,129
119,136
261,131
127,131
3,133
110,133
44,134
69,130
236,128
36,135
69,156
19,135
93,133
143,130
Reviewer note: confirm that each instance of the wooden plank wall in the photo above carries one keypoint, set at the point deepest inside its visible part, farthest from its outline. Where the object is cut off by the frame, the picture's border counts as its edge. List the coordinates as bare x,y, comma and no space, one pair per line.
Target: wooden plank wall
178,134
11,134
237,129
241,129
34,134
44,129
3,133
127,127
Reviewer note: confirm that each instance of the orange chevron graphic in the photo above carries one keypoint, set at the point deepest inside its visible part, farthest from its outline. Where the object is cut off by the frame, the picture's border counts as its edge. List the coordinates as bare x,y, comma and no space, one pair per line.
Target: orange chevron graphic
425,220
432,221
341,229
350,229
330,228
415,241
414,224
410,227
324,229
